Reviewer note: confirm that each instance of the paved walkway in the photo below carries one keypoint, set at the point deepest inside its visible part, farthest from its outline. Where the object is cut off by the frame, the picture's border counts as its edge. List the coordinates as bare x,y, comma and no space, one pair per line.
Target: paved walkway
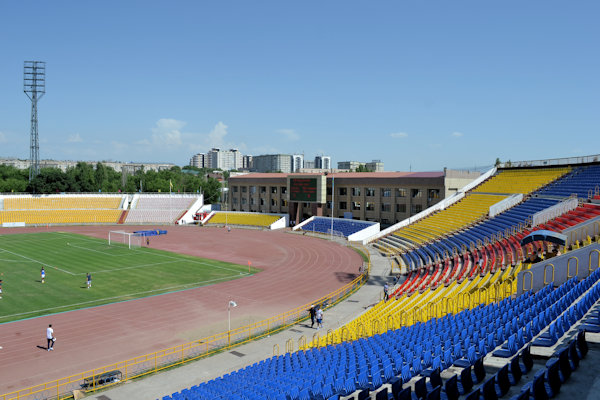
168,382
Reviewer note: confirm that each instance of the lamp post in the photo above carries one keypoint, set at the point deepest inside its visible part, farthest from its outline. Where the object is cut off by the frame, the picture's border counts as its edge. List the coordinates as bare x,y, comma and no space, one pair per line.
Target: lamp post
229,305
332,201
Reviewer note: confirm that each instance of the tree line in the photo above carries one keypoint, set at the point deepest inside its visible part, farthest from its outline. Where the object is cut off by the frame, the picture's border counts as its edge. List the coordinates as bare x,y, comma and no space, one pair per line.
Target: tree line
85,178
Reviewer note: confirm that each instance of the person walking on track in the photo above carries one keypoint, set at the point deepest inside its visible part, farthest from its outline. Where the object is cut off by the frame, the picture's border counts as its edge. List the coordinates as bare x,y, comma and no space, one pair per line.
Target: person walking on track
50,337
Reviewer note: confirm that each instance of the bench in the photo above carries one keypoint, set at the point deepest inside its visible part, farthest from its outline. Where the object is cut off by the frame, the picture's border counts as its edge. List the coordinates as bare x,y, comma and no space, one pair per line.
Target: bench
101,379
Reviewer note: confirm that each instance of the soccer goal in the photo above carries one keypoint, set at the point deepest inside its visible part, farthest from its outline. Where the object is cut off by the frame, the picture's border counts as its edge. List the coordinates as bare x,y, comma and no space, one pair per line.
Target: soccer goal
125,239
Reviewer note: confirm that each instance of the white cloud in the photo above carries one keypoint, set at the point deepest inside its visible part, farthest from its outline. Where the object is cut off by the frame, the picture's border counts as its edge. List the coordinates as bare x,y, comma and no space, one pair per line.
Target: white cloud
75,138
399,135
216,137
457,134
290,134
3,138
167,132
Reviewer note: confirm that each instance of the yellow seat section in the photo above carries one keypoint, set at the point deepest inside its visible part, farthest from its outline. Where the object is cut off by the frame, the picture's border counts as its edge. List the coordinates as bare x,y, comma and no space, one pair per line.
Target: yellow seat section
420,307
58,209
463,213
520,180
38,217
53,203
237,218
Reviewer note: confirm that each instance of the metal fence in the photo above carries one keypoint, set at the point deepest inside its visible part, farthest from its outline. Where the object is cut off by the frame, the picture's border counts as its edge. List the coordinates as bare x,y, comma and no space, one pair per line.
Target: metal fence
154,362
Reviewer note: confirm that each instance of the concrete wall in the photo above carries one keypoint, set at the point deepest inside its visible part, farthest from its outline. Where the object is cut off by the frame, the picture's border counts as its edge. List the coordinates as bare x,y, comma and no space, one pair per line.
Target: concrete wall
281,223
454,180
580,231
365,233
578,263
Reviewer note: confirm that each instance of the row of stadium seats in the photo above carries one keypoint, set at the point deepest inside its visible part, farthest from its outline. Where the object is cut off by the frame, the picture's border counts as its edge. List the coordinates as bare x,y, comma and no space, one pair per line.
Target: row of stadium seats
40,217
158,209
241,218
62,203
514,219
415,352
346,227
467,211
407,310
583,182
521,180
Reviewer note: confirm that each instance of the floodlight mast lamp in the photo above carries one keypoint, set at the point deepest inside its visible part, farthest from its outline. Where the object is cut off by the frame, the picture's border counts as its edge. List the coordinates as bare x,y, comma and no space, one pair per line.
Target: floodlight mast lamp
34,86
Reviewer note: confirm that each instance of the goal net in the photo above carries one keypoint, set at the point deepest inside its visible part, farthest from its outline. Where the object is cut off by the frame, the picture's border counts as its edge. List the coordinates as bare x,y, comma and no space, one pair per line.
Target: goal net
125,239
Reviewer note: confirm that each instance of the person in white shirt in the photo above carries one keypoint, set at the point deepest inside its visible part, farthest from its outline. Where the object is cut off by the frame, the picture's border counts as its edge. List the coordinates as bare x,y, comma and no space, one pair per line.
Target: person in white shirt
319,318
50,337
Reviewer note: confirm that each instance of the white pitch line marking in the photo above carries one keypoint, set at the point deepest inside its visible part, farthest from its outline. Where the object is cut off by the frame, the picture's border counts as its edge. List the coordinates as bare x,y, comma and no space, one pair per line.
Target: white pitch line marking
38,262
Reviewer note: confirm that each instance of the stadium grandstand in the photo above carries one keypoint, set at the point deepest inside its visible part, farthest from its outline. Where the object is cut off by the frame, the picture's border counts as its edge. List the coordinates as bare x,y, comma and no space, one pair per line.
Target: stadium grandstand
471,310
246,219
25,210
462,310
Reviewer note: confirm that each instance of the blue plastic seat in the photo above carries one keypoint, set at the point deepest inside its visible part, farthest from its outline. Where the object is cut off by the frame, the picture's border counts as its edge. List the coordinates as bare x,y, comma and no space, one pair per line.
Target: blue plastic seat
465,381
511,349
420,389
479,373
450,391
502,383
474,395
434,380
488,390
434,394
469,360
514,371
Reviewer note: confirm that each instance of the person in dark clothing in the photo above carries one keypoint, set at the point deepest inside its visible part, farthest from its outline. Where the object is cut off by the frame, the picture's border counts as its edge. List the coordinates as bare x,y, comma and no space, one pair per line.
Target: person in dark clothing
386,294
534,257
313,313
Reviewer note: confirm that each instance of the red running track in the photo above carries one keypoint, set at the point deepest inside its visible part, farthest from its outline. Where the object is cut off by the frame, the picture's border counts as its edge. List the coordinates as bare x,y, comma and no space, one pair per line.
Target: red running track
295,270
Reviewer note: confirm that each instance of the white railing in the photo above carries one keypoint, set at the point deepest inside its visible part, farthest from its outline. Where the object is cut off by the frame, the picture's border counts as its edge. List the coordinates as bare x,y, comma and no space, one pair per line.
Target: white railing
556,210
188,217
505,204
551,162
301,224
436,207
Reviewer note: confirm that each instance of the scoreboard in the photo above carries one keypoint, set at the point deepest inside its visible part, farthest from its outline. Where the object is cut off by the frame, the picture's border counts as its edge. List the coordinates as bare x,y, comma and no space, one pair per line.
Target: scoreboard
307,188
303,189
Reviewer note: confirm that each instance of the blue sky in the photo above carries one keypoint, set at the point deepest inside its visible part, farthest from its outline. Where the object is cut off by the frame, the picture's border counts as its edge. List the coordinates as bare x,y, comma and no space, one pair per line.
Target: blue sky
421,85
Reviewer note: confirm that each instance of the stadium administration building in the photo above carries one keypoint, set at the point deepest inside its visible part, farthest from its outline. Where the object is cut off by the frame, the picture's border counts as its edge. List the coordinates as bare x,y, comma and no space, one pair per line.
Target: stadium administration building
385,197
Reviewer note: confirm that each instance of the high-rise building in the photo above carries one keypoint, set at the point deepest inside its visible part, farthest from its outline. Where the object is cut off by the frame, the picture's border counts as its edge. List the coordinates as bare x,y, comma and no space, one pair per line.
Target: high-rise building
272,163
199,160
224,159
247,162
375,166
323,162
297,162
309,164
349,165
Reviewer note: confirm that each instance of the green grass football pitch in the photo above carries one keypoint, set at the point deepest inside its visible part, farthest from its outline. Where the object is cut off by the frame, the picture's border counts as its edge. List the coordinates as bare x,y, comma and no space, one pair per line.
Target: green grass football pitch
118,273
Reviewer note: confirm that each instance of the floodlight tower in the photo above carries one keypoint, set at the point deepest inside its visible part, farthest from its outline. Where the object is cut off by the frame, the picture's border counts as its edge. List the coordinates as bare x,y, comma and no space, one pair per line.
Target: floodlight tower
34,86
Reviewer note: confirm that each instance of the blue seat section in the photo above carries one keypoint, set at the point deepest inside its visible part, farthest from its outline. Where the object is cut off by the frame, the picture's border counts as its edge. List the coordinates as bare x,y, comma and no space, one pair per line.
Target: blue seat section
369,363
490,227
346,226
580,181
